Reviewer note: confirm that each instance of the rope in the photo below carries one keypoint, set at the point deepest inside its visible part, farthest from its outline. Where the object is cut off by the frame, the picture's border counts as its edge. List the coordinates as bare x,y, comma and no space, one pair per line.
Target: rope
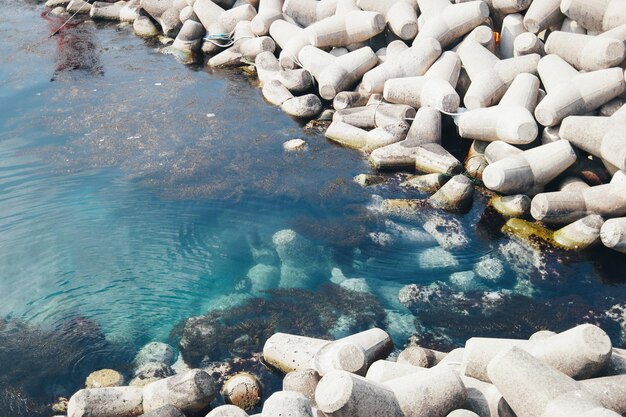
68,20
228,37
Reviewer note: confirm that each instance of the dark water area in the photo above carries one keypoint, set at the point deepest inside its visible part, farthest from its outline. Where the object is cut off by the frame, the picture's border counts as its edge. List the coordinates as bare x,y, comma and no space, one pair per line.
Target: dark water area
136,192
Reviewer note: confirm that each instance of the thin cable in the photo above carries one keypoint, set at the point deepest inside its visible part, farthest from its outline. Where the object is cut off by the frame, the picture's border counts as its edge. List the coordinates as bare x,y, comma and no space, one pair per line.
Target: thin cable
68,20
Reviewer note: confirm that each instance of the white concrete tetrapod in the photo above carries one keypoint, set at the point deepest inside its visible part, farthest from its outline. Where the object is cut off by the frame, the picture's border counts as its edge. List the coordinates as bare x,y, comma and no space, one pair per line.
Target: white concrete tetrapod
490,76
535,167
534,389
357,138
450,22
343,30
511,121
482,34
432,393
603,137
414,61
604,15
269,11
420,150
580,352
572,93
400,15
338,73
512,27
245,46
613,234
585,52
543,14
562,207
434,89
307,12
528,43
291,40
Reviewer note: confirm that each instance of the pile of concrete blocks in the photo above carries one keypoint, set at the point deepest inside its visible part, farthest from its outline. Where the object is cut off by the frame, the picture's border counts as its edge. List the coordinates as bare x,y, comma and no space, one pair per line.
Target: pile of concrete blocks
537,85
573,373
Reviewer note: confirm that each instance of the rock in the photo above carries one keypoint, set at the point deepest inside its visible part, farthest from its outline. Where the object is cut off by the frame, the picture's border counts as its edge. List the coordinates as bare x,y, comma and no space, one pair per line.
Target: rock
190,392
489,268
366,180
294,145
466,281
199,339
263,277
104,378
242,390
155,352
356,285
437,258
302,261
447,231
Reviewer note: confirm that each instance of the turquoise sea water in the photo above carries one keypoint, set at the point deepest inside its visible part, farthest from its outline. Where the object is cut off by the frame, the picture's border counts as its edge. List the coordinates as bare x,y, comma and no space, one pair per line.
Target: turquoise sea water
136,192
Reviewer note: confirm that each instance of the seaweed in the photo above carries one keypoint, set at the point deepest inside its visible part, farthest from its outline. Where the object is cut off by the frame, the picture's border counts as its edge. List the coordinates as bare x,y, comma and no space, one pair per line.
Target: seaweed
241,331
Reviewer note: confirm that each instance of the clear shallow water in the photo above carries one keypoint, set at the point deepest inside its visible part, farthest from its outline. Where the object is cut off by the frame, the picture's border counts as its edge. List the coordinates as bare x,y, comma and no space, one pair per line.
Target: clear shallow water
136,192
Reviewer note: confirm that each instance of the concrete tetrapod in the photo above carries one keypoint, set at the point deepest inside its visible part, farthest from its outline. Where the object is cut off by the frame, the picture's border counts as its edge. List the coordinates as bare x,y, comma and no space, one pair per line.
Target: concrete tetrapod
421,150
538,166
580,352
490,76
543,14
269,11
227,411
304,382
337,74
305,106
482,34
374,114
436,88
562,207
512,27
357,138
400,15
585,52
342,30
296,353
412,62
528,43
287,404
604,15
613,234
342,394
510,6
534,389
432,393
448,22
291,40
579,235
307,12
572,93
600,136
189,392
106,402
511,120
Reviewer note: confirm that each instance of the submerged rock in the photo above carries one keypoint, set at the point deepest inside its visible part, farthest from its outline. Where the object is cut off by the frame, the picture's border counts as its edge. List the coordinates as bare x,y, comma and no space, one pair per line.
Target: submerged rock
437,258
155,352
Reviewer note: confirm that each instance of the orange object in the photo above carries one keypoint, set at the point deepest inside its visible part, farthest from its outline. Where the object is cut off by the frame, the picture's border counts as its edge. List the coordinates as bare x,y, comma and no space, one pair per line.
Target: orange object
496,37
